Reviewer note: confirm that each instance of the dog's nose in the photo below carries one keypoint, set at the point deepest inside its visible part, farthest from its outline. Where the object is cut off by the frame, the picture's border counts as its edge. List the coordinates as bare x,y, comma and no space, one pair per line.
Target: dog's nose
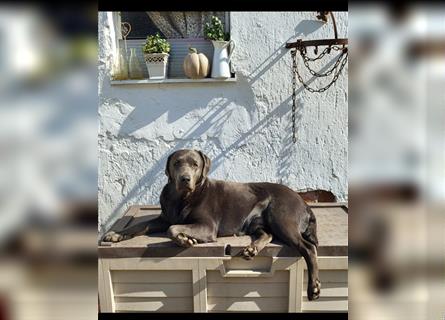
185,179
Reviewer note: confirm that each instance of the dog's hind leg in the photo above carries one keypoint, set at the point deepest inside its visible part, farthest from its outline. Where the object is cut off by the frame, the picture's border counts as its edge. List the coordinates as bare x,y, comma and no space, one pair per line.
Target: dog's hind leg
308,250
310,234
262,238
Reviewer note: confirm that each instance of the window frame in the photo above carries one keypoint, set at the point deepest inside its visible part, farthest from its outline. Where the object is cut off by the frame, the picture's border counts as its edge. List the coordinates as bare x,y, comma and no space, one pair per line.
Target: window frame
115,20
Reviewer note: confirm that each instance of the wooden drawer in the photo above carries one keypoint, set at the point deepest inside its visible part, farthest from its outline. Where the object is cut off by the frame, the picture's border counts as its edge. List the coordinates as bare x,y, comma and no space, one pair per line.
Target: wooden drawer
157,290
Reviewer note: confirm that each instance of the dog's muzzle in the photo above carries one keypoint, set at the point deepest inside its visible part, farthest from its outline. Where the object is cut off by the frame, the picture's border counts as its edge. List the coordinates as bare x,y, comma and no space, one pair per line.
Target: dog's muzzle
185,183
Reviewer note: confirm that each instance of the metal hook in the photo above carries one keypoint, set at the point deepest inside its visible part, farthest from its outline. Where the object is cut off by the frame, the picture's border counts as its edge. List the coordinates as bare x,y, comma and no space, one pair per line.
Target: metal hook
316,50
328,50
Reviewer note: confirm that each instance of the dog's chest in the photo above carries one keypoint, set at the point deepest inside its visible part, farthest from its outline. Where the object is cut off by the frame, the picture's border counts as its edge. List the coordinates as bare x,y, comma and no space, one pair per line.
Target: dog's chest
178,214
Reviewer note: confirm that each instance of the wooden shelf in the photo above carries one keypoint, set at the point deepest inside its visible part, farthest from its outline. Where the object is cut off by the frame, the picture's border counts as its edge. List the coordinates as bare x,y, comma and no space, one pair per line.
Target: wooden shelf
171,80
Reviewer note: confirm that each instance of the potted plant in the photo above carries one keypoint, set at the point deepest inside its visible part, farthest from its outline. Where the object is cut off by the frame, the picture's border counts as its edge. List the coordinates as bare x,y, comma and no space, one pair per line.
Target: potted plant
156,55
214,31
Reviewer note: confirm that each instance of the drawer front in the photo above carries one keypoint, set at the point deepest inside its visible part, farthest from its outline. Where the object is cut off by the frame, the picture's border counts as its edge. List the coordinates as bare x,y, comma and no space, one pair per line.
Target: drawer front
152,290
266,294
263,284
334,292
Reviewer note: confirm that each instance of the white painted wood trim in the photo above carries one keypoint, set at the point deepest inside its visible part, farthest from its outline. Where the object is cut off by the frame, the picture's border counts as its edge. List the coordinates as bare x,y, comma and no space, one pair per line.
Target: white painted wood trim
114,24
296,273
292,289
196,285
151,263
332,263
171,80
299,284
106,298
202,273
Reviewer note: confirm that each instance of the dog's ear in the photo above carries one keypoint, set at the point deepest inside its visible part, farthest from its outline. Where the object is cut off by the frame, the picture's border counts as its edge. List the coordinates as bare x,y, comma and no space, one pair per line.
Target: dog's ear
167,167
206,165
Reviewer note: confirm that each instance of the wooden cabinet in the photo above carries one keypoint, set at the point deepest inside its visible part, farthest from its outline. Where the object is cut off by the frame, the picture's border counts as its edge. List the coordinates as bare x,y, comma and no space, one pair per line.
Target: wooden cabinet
152,274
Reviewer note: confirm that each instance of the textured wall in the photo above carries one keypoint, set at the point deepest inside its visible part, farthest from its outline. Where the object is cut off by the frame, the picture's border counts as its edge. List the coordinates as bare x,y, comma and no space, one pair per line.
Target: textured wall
244,127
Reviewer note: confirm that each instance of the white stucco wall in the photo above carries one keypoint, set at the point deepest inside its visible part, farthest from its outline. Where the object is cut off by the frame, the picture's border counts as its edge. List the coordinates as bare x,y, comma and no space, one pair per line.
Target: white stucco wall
244,127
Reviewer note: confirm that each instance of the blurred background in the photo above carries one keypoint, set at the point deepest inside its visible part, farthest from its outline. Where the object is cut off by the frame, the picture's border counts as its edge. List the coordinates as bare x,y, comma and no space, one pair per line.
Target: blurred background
397,162
48,162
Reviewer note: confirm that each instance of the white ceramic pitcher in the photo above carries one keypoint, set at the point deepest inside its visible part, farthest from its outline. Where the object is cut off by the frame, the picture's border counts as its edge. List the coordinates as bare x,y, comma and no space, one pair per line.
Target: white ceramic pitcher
221,59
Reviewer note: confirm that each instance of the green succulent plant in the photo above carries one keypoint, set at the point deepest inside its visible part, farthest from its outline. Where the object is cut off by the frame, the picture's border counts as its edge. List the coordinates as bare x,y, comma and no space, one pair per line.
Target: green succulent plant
214,30
156,44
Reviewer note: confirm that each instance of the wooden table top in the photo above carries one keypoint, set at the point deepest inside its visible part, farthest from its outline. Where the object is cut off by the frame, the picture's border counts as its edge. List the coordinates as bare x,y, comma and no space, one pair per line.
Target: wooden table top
332,231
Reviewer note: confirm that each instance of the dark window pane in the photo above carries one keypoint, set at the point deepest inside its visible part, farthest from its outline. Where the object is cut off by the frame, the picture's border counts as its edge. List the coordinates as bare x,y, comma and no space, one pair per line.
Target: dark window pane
141,25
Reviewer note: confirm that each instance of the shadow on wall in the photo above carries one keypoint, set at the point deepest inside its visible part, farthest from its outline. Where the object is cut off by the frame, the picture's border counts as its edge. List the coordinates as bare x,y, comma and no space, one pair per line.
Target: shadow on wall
214,119
303,28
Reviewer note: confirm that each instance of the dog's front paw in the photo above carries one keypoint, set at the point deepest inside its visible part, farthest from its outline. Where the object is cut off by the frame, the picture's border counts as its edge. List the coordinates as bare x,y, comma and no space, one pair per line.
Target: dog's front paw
184,240
313,290
249,252
115,237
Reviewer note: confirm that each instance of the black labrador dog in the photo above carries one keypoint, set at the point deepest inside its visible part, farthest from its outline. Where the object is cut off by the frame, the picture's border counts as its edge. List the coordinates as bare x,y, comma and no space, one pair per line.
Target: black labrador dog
196,209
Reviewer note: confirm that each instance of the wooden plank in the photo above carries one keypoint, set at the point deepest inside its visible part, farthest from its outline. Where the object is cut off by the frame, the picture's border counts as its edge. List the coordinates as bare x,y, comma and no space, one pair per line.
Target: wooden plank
152,264
196,287
233,290
105,287
332,263
202,283
299,284
155,304
279,276
328,305
332,227
331,292
258,263
173,80
126,219
153,290
151,276
325,276
247,304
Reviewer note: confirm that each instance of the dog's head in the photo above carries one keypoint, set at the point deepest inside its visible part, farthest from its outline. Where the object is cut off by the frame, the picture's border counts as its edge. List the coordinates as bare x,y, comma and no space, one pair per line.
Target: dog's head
187,169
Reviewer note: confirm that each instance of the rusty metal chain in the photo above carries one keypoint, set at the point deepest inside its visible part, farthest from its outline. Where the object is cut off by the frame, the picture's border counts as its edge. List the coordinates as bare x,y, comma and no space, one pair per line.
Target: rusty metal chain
343,58
338,67
294,94
322,54
306,60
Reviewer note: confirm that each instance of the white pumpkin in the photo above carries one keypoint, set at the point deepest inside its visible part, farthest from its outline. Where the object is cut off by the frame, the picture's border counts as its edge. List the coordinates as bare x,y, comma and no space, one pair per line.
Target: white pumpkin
196,65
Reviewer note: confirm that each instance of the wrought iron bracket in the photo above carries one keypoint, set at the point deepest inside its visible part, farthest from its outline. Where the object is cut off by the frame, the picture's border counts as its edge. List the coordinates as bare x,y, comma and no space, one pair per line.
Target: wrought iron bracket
300,43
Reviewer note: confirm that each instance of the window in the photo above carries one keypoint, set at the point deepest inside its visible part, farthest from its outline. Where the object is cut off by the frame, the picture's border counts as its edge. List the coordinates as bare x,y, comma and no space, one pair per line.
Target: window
182,29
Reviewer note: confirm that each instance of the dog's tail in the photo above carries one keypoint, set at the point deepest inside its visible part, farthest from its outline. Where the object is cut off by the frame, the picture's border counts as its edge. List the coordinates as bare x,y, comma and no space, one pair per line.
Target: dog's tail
310,234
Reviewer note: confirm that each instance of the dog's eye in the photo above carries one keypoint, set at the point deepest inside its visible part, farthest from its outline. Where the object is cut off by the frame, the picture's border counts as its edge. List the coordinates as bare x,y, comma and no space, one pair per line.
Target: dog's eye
195,164
176,162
